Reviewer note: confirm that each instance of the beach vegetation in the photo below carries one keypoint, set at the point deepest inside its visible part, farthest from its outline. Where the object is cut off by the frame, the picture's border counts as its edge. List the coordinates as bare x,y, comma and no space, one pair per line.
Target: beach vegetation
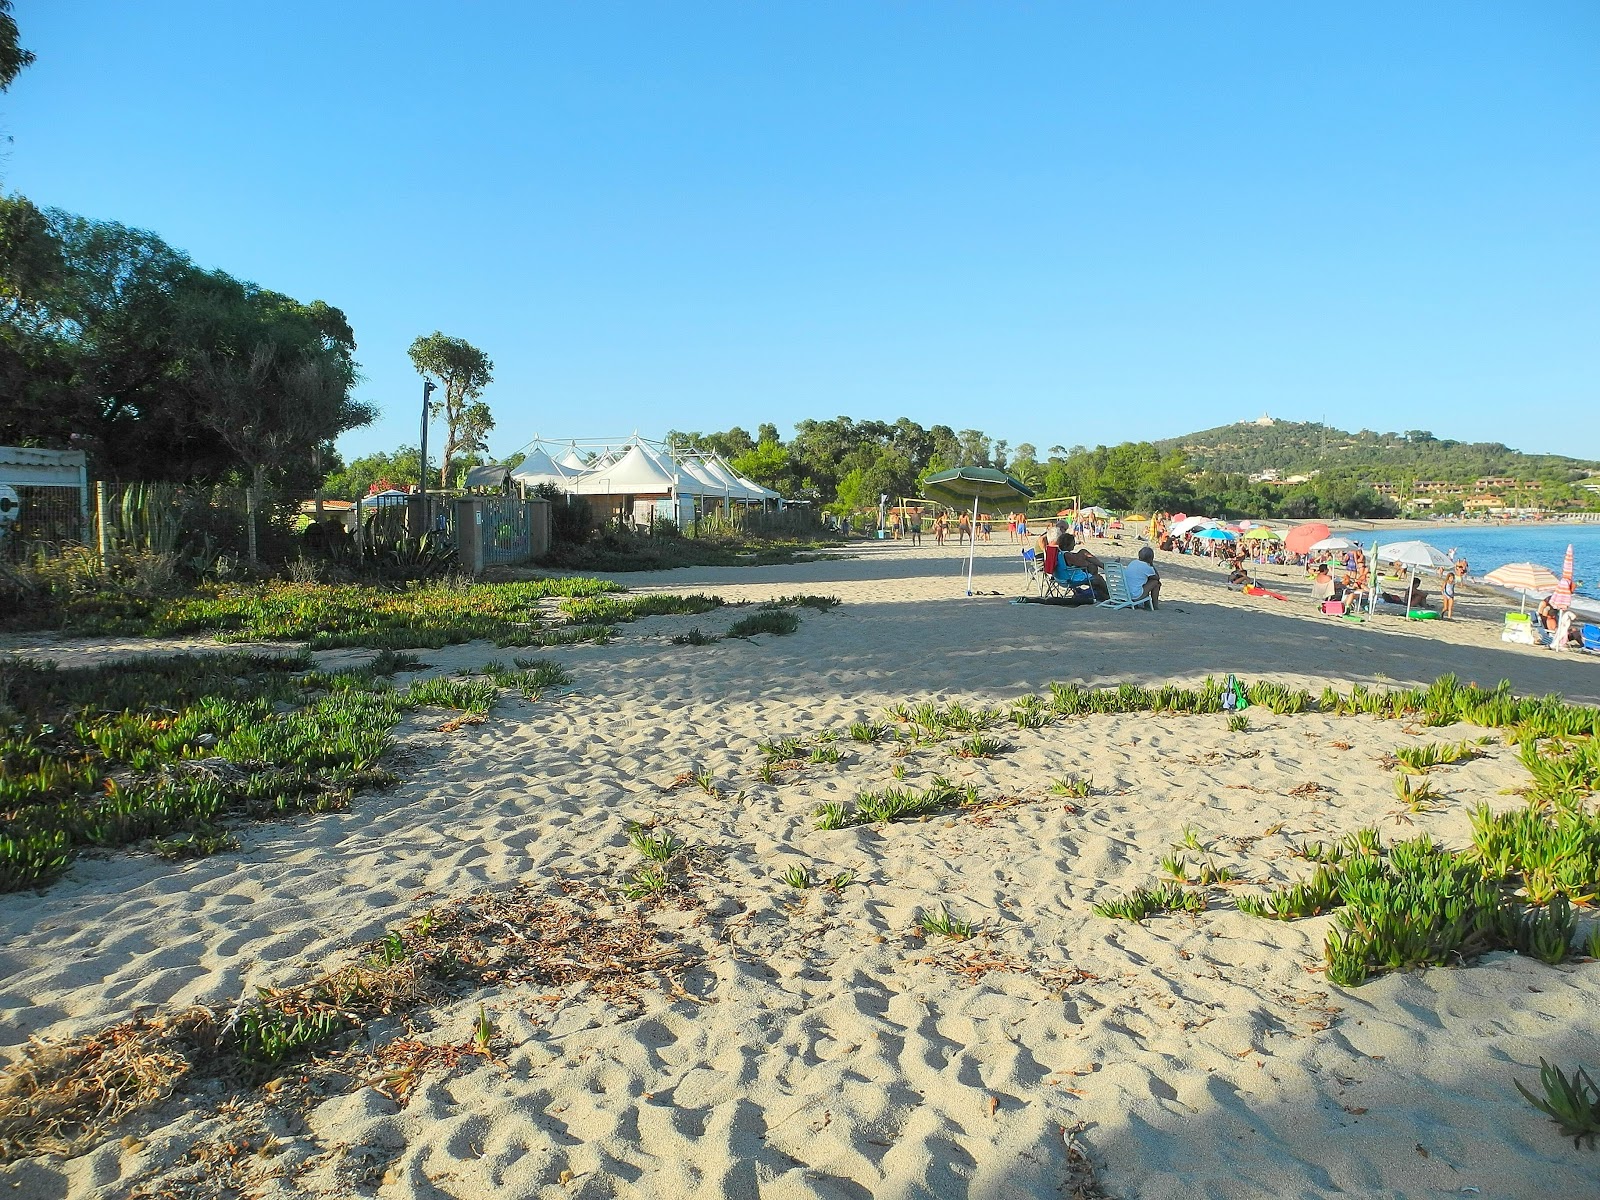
868,731
329,616
482,1032
838,882
1238,723
778,622
1175,866
1572,1102
1419,760
695,637
1191,839
945,924
980,746
646,883
613,609
1029,713
1142,902
1418,797
1319,852
660,847
825,754
802,600
833,814
706,780
169,748
1074,786
797,877
781,749
767,772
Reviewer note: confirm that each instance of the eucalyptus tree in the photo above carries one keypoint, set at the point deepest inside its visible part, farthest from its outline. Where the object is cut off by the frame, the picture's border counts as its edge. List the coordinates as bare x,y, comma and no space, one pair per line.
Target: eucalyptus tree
463,372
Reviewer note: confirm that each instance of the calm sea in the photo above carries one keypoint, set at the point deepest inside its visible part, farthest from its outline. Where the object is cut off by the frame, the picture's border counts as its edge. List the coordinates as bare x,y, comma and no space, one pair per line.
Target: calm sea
1486,547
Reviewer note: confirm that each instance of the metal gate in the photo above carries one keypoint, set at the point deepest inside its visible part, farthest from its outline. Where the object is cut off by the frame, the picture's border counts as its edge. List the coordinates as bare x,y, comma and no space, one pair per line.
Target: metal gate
507,531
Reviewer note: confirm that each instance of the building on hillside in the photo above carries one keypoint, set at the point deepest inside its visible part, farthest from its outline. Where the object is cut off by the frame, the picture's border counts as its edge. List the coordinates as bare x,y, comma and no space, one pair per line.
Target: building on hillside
1493,483
1264,420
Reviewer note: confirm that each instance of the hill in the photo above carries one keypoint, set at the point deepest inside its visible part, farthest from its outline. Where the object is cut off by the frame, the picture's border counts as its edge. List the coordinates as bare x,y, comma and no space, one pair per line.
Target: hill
1301,447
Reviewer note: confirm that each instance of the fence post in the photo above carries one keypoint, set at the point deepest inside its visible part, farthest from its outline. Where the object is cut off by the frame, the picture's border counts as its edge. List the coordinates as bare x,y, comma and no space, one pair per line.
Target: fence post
538,528
469,534
102,513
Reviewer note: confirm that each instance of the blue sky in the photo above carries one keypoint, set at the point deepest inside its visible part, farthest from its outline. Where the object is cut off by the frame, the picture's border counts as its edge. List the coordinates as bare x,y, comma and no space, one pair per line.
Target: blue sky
1059,223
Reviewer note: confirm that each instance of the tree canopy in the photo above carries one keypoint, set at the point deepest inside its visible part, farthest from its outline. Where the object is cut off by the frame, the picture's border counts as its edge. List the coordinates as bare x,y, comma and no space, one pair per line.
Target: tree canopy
115,343
463,372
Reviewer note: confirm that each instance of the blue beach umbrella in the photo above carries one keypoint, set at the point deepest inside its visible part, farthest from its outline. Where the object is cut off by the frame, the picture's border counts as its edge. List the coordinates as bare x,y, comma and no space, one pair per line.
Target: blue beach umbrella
1216,535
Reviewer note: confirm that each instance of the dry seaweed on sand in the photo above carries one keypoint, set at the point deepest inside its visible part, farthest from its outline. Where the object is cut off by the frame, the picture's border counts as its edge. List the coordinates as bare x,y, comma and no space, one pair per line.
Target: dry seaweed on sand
64,1096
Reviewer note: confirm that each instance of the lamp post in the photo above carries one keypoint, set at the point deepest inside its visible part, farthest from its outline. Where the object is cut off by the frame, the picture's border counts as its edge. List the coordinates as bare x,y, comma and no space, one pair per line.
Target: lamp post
428,388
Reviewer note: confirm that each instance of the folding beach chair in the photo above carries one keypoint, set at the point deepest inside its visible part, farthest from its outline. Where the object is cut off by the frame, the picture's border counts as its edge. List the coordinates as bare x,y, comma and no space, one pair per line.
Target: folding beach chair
1118,588
1591,638
1032,571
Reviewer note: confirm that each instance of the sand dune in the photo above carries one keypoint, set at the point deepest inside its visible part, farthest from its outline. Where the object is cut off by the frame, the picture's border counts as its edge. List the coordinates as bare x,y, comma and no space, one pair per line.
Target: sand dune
822,1047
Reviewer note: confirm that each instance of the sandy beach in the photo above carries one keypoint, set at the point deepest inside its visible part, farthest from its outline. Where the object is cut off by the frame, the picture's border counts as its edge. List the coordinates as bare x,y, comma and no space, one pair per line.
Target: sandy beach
818,1043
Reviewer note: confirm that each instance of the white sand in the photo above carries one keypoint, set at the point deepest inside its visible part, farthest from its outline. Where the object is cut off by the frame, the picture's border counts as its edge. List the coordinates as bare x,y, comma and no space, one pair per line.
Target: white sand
823,1049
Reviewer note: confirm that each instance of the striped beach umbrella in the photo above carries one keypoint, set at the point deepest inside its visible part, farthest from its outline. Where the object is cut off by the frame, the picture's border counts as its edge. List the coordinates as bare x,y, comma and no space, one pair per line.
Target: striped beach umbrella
1562,596
1528,579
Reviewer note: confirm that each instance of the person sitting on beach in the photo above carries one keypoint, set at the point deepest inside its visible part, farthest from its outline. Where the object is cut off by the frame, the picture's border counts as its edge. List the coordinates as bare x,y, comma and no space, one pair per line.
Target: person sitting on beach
1323,586
1078,567
1237,573
1549,615
1415,597
1141,578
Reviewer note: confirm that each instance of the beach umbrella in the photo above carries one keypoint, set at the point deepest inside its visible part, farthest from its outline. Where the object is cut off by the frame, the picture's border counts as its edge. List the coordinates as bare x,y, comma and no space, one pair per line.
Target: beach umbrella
1094,510
1260,533
1527,579
1189,524
1562,596
1419,556
1301,538
1216,535
977,483
1333,543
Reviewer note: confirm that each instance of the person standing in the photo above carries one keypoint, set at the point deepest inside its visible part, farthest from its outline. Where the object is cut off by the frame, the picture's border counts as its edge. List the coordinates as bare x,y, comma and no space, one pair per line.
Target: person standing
1448,603
915,522
940,525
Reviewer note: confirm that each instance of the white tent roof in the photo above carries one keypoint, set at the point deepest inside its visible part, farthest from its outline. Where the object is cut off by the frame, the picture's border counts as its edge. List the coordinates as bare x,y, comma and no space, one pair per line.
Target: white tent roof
636,473
539,468
724,474
696,480
570,460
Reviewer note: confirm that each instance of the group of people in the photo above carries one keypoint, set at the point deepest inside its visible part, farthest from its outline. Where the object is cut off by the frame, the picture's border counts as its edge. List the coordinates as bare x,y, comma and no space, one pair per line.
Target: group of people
1074,567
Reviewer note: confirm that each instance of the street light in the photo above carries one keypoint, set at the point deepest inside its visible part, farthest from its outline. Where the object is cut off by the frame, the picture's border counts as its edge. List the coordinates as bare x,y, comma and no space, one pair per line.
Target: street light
428,389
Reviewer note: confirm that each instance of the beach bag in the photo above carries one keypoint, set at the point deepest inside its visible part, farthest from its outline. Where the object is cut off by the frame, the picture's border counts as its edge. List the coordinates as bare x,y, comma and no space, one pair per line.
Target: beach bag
1333,608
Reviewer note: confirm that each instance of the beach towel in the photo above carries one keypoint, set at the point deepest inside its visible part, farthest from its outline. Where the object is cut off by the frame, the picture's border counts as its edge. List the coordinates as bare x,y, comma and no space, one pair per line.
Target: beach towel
1253,590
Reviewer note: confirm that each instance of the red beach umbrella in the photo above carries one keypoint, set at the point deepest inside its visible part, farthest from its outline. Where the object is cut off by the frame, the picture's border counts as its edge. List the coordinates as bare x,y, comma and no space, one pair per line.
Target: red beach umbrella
1302,537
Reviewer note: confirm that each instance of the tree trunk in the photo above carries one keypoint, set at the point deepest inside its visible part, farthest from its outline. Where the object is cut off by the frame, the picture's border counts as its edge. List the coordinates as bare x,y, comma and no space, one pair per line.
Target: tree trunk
252,503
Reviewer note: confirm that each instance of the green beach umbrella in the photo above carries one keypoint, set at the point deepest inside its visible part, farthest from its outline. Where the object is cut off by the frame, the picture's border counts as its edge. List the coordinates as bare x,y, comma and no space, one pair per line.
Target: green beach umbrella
960,484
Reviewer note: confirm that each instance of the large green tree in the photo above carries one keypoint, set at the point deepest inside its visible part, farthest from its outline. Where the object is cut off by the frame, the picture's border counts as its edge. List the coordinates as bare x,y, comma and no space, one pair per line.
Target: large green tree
13,58
463,372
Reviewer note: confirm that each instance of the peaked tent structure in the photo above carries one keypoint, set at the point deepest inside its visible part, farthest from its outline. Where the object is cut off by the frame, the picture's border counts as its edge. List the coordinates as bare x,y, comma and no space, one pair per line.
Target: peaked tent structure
636,473
539,468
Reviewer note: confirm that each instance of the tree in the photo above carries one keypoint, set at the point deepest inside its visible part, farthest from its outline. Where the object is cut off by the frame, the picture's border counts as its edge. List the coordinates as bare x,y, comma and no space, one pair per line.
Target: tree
464,371
375,472
13,58
275,381
767,463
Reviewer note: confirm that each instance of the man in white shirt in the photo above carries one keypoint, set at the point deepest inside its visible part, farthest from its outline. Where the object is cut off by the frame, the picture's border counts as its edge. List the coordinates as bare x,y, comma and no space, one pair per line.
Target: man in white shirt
1141,577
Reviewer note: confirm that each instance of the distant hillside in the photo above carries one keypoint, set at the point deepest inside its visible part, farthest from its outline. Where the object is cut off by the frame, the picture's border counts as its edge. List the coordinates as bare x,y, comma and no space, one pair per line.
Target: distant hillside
1300,447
